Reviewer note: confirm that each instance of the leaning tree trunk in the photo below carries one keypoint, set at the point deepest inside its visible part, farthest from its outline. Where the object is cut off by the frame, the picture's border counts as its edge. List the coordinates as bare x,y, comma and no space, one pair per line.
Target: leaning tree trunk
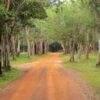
98,53
64,46
72,47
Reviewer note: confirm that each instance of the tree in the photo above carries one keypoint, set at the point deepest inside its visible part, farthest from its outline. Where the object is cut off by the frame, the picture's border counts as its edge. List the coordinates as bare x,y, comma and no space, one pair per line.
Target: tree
95,7
70,23
13,15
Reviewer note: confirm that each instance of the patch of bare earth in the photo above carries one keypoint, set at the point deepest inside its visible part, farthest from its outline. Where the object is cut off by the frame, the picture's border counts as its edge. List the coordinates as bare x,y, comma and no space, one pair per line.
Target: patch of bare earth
47,79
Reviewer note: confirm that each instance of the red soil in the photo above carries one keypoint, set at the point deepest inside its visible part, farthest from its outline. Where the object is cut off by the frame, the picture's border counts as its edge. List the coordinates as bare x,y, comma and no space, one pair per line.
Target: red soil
47,80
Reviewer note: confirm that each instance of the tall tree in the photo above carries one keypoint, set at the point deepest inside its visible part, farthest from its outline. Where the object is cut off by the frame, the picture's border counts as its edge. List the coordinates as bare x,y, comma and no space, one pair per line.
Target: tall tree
15,12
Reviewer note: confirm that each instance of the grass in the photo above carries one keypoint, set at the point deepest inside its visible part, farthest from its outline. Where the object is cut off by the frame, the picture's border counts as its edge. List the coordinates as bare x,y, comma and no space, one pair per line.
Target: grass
87,69
23,58
8,77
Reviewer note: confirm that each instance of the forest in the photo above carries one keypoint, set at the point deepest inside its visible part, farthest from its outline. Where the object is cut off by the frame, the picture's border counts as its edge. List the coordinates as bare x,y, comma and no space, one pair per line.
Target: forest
36,24
35,27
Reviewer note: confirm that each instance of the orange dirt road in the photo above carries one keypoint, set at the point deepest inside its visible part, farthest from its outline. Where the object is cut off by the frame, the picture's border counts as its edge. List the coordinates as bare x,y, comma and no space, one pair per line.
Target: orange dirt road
47,79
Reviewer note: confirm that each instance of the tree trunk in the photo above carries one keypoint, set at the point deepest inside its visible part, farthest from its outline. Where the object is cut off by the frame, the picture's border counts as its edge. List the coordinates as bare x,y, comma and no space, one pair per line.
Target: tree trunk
64,48
87,52
8,4
32,48
18,47
46,47
80,48
13,47
37,47
98,64
40,47
72,59
0,58
6,65
28,42
94,47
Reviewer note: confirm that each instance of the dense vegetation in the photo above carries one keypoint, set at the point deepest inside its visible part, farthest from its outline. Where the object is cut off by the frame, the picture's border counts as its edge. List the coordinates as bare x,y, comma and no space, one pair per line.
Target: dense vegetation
74,27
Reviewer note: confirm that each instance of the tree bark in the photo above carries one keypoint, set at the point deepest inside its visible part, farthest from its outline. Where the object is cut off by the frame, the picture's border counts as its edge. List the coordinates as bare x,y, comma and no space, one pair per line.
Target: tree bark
80,48
28,42
37,47
8,4
18,47
45,50
6,65
87,52
98,64
13,47
32,48
94,47
64,46
46,47
40,47
0,58
72,46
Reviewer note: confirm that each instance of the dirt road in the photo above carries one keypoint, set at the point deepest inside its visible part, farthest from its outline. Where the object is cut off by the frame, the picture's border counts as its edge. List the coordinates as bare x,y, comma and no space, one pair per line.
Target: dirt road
47,79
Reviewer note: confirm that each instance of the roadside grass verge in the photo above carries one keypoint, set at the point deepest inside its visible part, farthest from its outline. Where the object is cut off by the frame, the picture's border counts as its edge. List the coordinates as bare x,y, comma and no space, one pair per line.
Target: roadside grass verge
23,58
9,76
87,69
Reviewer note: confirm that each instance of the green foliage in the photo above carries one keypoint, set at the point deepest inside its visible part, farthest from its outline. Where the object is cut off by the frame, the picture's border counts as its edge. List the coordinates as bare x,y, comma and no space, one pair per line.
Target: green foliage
5,17
32,10
20,11
95,8
73,20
